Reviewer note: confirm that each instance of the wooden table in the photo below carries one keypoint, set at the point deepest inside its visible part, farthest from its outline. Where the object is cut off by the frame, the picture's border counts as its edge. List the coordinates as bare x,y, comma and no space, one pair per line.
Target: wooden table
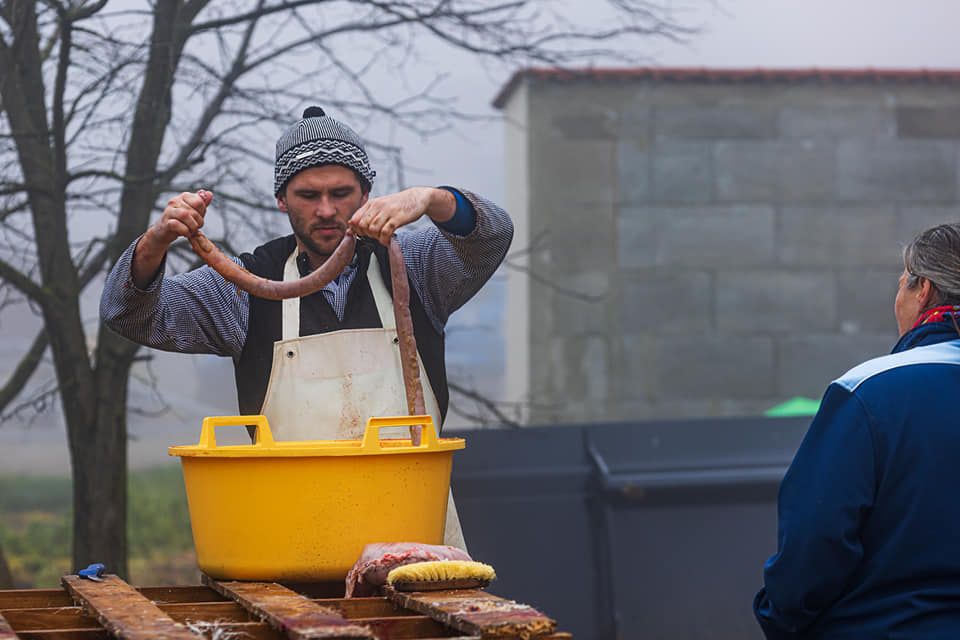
200,611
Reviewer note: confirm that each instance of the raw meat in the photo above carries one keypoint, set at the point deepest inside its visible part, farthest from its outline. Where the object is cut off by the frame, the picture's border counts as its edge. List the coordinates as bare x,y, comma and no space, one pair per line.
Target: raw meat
378,559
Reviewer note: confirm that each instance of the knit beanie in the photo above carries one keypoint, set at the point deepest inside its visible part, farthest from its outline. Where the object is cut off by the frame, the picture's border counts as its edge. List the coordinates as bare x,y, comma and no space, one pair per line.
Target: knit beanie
318,139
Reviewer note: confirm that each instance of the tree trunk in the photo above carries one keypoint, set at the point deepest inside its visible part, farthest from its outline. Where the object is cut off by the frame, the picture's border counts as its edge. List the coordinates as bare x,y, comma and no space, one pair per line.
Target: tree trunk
100,499
98,453
6,578
103,490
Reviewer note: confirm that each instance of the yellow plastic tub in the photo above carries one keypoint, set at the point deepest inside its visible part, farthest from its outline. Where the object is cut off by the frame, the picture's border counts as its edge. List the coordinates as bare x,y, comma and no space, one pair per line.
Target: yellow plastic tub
303,511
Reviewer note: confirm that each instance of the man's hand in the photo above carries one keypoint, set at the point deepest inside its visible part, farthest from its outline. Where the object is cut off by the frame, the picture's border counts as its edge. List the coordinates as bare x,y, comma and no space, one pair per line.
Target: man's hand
183,216
381,217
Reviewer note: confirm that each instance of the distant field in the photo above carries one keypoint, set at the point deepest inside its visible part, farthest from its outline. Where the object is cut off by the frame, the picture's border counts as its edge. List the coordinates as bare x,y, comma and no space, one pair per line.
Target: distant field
35,529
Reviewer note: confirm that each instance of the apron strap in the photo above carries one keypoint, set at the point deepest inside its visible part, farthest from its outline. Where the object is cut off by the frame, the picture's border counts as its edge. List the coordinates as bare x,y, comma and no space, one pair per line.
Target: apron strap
381,296
291,306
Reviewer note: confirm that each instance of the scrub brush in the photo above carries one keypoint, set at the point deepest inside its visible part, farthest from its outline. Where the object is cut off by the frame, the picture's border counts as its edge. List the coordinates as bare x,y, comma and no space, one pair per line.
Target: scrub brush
441,574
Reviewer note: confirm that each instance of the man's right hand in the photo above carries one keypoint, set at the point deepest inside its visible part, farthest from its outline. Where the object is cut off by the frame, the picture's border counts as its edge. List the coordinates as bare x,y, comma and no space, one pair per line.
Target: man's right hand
183,216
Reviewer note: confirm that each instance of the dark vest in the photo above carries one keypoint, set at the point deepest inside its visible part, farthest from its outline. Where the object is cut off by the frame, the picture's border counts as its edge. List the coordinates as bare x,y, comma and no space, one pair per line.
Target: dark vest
252,368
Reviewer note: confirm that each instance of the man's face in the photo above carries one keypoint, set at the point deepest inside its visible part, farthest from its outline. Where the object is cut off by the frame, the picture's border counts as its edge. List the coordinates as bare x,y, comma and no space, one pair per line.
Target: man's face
319,201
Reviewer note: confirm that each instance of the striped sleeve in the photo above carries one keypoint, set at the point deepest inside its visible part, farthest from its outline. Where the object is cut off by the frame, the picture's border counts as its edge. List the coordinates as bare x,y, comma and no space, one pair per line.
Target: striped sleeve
193,312
446,269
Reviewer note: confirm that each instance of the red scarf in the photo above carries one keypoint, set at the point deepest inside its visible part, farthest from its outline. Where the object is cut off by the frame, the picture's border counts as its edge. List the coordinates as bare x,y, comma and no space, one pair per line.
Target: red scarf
937,314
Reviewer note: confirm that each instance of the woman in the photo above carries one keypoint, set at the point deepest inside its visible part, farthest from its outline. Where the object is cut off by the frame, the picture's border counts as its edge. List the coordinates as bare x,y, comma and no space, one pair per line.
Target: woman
869,516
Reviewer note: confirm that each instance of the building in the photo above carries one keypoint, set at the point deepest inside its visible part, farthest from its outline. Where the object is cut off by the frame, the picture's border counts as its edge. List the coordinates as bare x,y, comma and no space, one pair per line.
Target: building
695,242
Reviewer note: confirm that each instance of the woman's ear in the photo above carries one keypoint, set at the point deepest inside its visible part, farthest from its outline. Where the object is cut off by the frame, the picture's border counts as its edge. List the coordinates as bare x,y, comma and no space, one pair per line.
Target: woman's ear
926,294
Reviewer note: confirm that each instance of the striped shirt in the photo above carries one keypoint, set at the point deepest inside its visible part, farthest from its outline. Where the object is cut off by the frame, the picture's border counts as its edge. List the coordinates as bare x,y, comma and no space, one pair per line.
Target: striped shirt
200,312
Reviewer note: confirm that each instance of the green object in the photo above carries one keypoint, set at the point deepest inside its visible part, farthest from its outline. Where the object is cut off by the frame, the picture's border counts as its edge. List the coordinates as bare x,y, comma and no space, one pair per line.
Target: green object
796,406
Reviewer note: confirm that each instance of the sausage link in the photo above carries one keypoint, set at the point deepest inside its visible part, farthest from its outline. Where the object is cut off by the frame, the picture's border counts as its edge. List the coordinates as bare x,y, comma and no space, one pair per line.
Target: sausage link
334,265
408,342
275,289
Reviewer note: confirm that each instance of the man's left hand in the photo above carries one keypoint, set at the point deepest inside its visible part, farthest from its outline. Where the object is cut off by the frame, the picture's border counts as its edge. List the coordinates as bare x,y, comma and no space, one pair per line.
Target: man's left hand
380,217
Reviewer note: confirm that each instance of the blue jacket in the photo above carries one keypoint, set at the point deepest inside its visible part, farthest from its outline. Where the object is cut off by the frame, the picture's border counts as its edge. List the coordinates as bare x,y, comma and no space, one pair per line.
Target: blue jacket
869,511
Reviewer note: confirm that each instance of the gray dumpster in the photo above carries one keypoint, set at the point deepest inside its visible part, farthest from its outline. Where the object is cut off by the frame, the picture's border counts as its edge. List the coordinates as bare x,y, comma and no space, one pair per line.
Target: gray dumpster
646,530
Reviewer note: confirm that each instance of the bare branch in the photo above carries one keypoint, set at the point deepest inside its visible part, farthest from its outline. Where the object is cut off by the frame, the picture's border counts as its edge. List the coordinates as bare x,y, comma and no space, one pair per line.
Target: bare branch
24,370
82,13
101,84
23,283
152,383
254,15
39,402
484,402
212,109
536,245
350,27
96,173
10,189
552,284
191,9
17,207
93,265
59,88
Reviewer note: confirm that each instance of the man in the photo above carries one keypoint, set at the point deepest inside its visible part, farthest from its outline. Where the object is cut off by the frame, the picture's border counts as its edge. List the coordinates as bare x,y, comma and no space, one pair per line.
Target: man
869,527
319,366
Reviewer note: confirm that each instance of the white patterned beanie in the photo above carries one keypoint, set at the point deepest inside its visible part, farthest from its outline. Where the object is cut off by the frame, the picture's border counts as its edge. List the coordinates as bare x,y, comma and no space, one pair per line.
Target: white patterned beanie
318,139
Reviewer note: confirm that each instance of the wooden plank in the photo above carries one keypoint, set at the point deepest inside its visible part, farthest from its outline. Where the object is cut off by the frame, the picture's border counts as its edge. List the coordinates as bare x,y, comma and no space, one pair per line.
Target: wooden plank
228,611
477,612
37,598
364,607
74,617
239,631
42,619
123,610
403,627
171,595
33,598
288,611
243,631
67,634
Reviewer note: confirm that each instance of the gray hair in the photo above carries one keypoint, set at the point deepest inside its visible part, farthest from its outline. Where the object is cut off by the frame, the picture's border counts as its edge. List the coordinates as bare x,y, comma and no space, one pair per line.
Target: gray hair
935,255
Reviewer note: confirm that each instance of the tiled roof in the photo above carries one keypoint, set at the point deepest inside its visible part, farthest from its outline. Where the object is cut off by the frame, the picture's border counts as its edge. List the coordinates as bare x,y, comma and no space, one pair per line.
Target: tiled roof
731,76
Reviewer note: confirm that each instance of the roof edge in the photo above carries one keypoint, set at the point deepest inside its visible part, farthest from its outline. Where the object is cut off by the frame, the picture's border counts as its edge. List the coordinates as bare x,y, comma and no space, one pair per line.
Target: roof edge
729,75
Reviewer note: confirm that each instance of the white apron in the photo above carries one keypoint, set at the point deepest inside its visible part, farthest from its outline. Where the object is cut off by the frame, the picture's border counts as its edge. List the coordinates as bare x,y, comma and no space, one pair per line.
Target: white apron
325,386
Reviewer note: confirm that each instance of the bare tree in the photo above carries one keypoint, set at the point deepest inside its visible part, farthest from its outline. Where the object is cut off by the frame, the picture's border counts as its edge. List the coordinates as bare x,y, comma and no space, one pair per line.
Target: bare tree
110,107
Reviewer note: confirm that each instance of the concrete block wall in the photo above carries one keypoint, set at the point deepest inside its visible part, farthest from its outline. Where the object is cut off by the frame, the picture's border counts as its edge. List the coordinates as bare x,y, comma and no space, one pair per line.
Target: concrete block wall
712,249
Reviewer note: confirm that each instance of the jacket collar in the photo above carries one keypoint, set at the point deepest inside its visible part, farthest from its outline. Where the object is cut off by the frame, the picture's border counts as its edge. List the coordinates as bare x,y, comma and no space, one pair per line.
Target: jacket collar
926,334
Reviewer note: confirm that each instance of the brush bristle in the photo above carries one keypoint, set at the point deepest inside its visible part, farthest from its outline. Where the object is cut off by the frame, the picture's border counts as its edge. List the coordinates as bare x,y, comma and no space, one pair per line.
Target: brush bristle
441,571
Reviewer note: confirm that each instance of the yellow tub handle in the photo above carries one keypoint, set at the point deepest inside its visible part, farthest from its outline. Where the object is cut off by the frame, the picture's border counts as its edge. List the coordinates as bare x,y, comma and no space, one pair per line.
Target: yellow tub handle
263,436
371,437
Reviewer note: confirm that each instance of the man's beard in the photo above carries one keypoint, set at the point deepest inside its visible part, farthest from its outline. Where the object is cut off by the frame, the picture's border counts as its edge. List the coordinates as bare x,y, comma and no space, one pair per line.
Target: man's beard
311,244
